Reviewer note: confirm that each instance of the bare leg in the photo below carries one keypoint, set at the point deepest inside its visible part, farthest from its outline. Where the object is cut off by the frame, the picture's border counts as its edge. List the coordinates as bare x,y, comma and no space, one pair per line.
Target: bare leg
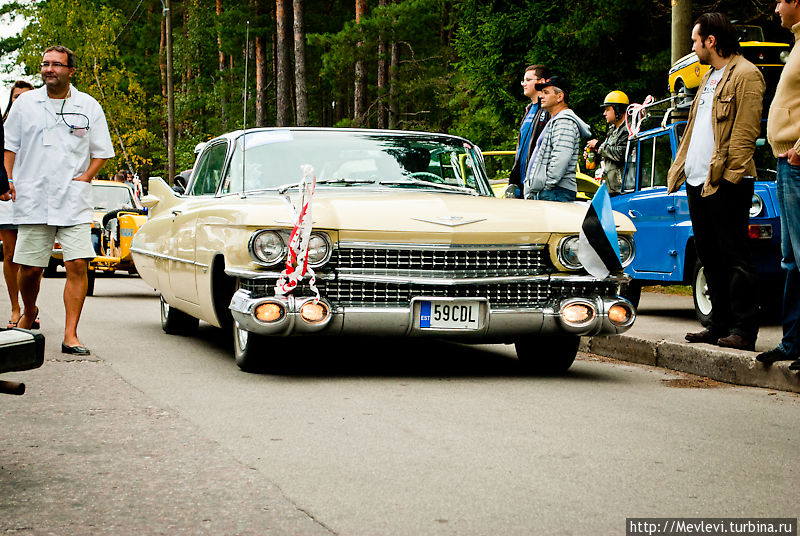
11,271
74,295
29,281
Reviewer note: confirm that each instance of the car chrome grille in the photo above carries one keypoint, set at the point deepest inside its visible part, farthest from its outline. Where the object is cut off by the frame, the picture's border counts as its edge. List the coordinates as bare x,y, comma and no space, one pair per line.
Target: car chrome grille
518,294
475,261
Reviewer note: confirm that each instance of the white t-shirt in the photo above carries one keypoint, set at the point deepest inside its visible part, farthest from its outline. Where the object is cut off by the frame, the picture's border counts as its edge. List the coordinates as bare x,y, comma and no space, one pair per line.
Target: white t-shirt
701,146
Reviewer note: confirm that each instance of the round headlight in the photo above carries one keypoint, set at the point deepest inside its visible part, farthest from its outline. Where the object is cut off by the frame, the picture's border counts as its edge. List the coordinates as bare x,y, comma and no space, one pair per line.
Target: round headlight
625,249
756,206
568,253
319,249
784,56
267,247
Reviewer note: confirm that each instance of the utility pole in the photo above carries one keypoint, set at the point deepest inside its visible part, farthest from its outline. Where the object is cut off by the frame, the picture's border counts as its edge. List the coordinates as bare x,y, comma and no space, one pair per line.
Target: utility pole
681,29
167,4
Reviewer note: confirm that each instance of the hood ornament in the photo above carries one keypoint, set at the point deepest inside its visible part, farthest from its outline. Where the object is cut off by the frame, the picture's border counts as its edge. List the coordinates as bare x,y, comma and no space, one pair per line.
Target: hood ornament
450,221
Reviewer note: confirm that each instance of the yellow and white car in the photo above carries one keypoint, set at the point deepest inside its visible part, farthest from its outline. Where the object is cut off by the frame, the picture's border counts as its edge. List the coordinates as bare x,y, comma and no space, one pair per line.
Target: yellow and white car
408,240
117,216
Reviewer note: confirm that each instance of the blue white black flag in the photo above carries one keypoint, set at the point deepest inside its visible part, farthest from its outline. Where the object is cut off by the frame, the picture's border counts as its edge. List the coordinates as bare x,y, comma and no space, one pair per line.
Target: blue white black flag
598,248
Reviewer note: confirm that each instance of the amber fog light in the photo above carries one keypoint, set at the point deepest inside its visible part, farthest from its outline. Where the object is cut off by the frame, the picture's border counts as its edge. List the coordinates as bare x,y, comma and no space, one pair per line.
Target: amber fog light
577,314
269,312
619,314
314,312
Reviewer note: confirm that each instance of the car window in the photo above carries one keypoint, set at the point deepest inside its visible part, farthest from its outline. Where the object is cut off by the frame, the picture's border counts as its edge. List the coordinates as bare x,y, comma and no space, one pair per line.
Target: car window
629,180
209,170
646,163
108,198
274,158
662,160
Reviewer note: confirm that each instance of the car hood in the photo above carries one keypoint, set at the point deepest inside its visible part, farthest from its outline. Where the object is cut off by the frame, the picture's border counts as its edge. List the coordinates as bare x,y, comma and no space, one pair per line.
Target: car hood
354,211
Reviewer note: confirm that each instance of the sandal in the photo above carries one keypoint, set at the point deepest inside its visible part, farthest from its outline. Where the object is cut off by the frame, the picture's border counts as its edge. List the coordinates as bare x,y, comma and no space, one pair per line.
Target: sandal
12,324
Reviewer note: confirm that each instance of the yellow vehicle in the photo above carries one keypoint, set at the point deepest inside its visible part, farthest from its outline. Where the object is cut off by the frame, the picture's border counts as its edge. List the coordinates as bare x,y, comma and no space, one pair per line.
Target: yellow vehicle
118,214
587,185
687,73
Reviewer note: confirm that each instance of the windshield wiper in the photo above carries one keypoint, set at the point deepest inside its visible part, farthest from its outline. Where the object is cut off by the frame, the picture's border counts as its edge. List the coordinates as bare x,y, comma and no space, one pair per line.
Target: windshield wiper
283,189
417,182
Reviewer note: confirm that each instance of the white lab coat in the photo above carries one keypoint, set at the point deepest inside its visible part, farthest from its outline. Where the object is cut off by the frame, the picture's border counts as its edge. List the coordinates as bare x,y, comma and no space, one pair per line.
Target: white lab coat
48,157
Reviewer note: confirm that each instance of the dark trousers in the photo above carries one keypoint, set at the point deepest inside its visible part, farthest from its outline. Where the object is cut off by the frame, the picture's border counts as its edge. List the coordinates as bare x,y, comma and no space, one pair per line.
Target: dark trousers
720,223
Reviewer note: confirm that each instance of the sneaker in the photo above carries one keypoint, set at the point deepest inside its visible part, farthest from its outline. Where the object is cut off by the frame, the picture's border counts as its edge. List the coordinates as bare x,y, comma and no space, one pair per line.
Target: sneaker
771,356
734,340
706,336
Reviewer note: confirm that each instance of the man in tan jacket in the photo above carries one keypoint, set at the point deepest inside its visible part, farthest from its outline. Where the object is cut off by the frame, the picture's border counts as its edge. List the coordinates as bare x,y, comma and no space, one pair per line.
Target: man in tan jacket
715,159
783,133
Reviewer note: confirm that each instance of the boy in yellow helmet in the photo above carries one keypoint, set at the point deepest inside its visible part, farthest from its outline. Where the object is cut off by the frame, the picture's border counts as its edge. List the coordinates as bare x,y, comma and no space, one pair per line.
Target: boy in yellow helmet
612,150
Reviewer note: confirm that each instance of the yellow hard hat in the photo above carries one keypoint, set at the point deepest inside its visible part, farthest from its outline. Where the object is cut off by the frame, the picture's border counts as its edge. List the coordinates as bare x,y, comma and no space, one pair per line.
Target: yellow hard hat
616,97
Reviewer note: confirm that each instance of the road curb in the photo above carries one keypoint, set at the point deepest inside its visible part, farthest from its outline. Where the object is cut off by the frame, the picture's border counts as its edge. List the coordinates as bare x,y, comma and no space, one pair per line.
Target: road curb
730,366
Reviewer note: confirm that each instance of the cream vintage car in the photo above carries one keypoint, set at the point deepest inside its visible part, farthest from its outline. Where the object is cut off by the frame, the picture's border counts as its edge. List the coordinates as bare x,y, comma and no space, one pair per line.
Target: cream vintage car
407,240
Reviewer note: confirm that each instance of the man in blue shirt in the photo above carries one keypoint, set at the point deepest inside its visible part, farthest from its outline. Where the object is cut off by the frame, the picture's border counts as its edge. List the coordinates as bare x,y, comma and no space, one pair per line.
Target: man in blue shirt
533,122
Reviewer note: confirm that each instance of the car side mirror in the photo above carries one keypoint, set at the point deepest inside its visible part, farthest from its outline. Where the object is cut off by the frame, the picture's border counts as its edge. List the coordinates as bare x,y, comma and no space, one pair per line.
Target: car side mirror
179,186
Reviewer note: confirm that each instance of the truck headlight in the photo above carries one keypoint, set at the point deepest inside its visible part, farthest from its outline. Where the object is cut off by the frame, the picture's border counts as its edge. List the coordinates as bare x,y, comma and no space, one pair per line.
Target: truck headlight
756,206
626,249
267,247
568,253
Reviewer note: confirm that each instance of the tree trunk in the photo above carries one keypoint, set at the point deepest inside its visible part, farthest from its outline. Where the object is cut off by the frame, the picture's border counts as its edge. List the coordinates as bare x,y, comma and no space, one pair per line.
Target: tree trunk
283,71
224,93
360,89
393,66
383,77
301,91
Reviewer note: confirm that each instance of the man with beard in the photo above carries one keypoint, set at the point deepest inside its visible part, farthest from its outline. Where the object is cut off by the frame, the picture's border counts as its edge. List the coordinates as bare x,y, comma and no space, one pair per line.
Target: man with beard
715,159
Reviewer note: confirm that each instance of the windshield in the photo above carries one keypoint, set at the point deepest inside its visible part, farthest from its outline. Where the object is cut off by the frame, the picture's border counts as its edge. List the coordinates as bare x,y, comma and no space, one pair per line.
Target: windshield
273,159
109,198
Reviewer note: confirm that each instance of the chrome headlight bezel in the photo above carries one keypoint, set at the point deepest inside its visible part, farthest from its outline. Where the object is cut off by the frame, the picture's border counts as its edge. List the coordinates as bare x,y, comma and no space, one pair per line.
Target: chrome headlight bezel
625,242
328,249
567,252
272,259
756,206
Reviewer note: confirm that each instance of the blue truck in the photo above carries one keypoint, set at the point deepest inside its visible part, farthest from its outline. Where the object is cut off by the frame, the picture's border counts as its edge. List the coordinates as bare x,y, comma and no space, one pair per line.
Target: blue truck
665,251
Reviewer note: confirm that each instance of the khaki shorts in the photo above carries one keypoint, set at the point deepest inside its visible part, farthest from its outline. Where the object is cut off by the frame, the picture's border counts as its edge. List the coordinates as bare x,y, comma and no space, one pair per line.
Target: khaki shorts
35,243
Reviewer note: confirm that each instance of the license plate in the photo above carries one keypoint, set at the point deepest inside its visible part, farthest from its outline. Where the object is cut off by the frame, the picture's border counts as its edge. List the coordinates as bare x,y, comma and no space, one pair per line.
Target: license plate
449,314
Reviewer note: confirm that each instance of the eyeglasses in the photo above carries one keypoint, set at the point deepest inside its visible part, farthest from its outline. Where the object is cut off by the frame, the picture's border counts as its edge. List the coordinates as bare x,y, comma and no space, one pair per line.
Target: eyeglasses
54,64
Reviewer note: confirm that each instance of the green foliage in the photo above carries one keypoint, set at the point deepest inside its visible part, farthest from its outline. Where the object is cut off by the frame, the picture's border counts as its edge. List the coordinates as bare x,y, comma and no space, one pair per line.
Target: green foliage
458,70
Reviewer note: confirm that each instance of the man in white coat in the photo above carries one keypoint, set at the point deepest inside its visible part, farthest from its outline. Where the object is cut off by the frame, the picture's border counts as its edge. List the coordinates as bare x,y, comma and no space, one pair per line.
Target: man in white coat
56,141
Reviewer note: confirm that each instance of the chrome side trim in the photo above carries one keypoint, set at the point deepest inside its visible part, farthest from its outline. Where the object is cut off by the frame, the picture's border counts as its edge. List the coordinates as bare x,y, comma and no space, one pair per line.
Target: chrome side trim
167,257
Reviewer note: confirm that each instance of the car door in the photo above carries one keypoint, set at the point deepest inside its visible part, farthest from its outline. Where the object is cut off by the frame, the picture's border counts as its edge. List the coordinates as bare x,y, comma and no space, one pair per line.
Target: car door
205,181
645,200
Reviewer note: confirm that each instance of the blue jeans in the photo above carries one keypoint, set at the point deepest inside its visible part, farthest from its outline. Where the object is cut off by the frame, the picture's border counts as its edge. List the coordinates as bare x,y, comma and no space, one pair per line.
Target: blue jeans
789,201
558,193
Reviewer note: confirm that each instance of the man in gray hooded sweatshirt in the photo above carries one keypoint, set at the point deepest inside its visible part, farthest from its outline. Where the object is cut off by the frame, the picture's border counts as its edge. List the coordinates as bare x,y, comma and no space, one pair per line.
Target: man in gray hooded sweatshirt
555,157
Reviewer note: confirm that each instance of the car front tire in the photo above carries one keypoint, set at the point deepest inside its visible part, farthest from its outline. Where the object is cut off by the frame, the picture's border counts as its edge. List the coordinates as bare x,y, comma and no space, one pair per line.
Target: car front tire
249,350
549,354
176,322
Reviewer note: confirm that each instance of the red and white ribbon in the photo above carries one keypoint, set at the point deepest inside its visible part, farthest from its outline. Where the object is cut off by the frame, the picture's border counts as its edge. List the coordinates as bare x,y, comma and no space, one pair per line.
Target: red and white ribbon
297,259
636,114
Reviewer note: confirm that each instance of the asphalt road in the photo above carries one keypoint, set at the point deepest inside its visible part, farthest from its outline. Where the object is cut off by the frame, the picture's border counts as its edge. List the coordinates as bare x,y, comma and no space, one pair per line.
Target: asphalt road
158,434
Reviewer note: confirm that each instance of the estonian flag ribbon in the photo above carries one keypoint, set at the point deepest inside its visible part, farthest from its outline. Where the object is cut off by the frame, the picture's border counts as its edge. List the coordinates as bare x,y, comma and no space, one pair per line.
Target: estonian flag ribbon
598,247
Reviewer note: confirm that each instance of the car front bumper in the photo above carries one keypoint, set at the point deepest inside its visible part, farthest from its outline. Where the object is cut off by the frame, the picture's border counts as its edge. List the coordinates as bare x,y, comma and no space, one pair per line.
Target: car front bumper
494,324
